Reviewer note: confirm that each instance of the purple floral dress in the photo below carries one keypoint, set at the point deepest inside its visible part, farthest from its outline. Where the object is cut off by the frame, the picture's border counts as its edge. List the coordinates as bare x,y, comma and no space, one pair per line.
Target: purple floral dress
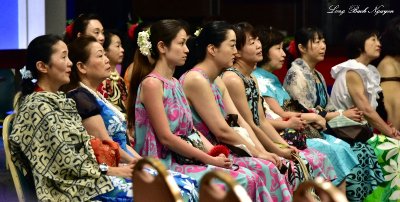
180,122
279,186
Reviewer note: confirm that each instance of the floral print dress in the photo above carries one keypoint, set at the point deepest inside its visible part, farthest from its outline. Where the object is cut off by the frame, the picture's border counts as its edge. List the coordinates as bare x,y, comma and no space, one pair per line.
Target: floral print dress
278,184
301,84
89,105
320,164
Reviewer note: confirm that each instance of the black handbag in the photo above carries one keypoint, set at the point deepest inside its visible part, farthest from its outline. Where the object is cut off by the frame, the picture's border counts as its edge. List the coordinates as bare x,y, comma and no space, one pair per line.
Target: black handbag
349,130
194,140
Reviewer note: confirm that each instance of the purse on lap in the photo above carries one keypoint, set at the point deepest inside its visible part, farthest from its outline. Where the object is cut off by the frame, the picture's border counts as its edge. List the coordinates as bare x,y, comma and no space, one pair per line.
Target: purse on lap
106,151
241,149
296,106
349,130
194,140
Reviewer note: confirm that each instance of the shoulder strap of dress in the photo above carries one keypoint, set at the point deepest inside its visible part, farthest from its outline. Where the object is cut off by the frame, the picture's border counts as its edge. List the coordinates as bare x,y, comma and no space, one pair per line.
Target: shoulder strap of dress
383,79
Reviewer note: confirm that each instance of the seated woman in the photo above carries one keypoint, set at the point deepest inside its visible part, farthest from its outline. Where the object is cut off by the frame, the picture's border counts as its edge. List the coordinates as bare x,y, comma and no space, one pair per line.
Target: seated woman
48,138
212,51
305,84
275,96
162,117
389,69
99,116
113,88
357,84
244,91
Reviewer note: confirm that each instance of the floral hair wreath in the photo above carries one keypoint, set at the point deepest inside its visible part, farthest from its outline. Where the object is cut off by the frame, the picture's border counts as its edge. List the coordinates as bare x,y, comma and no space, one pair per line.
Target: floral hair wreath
144,43
198,31
27,74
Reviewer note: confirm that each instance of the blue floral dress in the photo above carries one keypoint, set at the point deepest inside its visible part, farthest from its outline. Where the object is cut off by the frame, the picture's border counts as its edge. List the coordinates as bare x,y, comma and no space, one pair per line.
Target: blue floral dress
338,151
90,105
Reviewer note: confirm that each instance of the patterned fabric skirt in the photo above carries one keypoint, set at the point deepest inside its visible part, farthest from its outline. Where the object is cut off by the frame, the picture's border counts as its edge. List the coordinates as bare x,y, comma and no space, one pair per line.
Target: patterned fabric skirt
278,185
320,164
252,183
123,188
366,176
387,150
338,152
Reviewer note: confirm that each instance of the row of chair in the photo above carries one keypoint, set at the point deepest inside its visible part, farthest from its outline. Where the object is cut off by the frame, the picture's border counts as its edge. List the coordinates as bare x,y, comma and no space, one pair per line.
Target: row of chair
167,189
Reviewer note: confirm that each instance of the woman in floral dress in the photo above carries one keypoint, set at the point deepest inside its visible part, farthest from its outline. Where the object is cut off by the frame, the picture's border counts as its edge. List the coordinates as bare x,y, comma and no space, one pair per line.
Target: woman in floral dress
305,84
244,91
162,117
275,96
99,117
212,51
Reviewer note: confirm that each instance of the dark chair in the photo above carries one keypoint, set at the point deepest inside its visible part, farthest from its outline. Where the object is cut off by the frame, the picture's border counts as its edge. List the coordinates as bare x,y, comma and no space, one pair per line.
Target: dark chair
147,188
212,192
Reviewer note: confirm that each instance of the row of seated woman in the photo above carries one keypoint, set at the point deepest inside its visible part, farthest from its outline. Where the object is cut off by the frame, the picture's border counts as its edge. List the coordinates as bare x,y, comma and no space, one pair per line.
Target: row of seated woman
63,138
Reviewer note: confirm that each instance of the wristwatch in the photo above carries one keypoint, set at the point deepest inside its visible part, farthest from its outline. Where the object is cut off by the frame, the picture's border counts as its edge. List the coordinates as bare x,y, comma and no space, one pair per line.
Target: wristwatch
103,168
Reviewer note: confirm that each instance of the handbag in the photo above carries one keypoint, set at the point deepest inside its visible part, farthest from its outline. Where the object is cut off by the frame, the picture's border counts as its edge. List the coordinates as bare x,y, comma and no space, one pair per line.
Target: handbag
294,138
193,139
106,151
241,149
307,176
349,130
296,106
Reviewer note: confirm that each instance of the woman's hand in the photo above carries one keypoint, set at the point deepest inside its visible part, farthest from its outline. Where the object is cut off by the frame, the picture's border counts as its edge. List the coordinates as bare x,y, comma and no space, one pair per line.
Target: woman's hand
354,114
275,159
287,153
221,161
296,122
121,171
318,122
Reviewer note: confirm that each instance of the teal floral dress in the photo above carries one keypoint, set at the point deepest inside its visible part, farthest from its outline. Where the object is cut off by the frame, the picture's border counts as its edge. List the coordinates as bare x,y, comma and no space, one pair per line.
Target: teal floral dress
180,120
338,151
301,84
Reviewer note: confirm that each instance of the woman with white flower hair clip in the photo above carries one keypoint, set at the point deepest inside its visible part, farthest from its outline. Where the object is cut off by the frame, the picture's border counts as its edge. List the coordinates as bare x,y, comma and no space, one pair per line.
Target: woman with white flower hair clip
162,117
48,140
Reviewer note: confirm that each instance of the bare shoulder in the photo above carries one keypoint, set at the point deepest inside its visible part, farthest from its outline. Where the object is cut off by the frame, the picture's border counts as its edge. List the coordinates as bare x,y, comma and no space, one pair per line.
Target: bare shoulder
194,79
151,84
231,78
389,67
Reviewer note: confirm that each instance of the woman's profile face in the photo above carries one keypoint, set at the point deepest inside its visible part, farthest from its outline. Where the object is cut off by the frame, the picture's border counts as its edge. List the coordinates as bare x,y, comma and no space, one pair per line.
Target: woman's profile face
98,65
372,47
95,29
115,52
59,66
276,56
251,50
316,49
225,53
177,51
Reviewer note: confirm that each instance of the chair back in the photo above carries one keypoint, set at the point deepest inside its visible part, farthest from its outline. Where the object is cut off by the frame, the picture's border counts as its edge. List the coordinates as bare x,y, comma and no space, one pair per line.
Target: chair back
210,191
148,188
325,192
23,186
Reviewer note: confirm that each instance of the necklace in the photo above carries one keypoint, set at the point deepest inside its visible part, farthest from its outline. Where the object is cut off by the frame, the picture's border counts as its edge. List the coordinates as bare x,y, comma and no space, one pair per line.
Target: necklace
105,101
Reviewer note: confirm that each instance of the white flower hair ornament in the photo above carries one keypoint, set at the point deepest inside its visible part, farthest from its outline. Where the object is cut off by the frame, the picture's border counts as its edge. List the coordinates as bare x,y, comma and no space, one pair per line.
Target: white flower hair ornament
27,74
144,43
197,32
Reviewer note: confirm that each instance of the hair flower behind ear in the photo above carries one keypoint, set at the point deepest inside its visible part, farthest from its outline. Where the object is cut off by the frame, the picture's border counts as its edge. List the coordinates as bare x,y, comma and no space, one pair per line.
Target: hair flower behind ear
197,32
144,43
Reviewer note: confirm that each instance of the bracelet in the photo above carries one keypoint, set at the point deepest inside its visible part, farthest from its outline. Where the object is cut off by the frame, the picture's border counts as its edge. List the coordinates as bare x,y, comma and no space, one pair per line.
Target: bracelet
340,112
323,113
